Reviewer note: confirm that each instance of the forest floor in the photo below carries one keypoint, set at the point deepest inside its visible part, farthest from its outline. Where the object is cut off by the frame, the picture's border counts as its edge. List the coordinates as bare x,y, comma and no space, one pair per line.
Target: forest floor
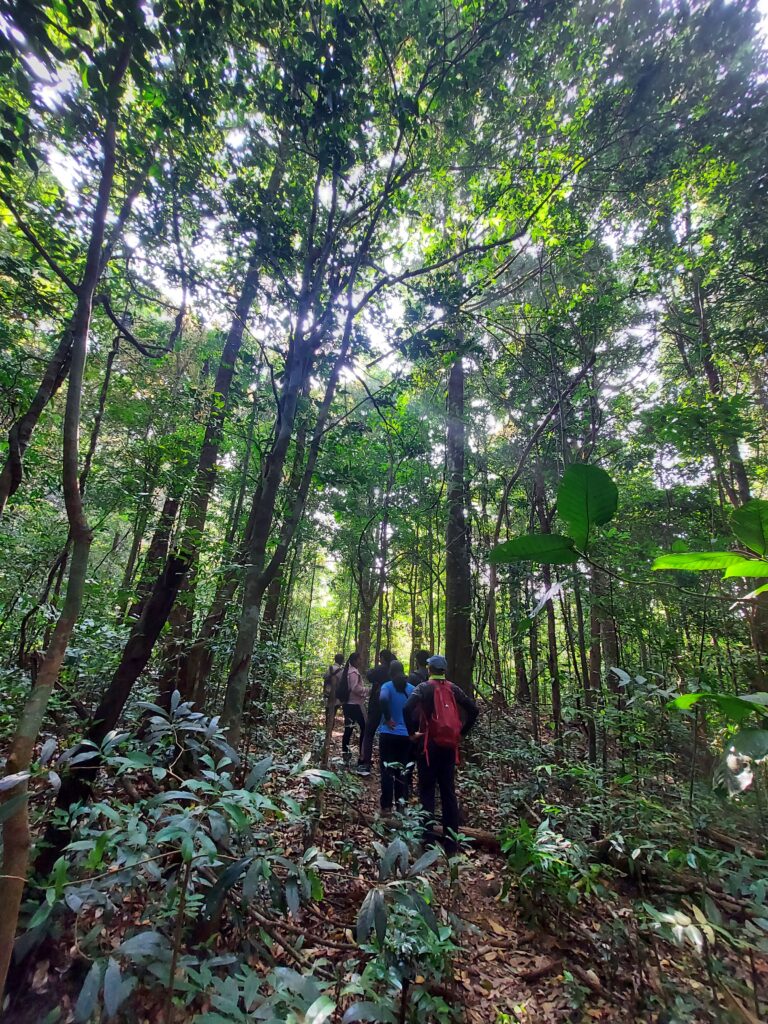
530,958
507,953
523,957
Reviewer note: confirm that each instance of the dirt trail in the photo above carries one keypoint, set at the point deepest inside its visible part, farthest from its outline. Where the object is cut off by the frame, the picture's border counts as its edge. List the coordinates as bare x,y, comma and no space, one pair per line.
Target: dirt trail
504,966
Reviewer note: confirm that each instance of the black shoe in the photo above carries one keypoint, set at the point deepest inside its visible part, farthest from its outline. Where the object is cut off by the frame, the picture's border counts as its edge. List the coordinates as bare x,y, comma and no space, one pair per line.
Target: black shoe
364,770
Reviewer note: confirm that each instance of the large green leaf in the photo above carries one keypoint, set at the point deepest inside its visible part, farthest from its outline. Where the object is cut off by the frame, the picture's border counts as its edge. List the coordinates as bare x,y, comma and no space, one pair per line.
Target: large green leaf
747,567
586,497
545,548
750,524
751,743
697,561
378,1013
736,709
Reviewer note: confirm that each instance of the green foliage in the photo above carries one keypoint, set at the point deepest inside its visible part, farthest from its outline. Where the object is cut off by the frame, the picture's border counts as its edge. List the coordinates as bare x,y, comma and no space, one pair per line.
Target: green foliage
749,523
546,549
735,708
586,498
542,860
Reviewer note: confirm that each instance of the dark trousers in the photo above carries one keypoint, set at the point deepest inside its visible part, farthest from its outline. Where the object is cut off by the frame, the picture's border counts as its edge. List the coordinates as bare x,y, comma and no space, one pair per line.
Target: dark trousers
439,773
353,716
374,717
396,755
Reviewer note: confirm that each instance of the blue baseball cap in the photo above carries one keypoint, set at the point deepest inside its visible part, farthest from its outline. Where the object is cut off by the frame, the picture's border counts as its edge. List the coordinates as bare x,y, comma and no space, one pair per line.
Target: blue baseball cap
438,663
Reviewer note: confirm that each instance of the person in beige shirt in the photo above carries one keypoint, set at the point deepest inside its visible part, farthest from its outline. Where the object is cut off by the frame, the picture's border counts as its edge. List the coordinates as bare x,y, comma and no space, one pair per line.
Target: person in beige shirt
354,694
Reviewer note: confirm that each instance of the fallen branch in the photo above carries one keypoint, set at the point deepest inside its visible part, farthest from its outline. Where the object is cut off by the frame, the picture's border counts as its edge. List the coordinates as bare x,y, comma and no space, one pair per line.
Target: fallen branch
481,838
536,973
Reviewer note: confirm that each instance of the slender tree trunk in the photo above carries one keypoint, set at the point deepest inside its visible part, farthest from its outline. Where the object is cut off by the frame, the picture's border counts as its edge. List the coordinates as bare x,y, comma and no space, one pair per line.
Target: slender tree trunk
140,521
20,434
303,652
458,585
204,483
364,633
342,646
430,585
588,692
383,555
77,784
534,680
156,553
609,636
522,686
289,589
259,575
16,836
595,653
271,615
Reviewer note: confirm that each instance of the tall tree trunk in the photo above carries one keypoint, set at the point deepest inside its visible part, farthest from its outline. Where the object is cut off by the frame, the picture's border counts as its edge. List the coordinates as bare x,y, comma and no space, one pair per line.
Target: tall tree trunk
156,553
77,784
363,647
16,835
260,573
458,590
545,522
589,698
204,483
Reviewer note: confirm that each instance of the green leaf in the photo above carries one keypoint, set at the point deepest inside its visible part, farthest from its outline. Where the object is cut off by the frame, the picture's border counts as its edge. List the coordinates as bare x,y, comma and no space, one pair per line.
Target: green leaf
147,943
734,708
697,561
320,1010
426,860
396,853
292,897
370,914
228,878
750,524
747,567
258,772
545,548
368,1011
751,743
586,497
112,988
89,993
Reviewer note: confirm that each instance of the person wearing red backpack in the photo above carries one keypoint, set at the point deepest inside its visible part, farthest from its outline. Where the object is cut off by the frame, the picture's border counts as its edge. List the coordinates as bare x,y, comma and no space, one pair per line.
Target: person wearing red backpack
438,713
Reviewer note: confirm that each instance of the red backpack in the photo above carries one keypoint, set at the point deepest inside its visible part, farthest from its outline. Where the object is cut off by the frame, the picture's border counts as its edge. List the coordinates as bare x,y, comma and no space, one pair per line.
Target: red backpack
444,727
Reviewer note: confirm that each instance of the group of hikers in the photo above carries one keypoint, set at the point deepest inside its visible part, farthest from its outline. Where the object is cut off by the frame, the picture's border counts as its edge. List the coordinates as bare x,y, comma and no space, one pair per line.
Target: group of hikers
419,719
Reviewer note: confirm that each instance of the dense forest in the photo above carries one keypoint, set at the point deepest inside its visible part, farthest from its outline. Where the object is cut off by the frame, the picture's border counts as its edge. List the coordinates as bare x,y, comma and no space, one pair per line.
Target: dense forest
340,326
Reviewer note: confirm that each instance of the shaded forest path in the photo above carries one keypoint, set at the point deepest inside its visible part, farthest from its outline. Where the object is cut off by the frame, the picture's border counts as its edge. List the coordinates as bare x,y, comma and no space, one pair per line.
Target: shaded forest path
508,965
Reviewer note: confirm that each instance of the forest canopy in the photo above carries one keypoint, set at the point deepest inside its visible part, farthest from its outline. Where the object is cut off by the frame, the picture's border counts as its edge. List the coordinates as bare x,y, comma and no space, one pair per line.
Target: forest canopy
340,327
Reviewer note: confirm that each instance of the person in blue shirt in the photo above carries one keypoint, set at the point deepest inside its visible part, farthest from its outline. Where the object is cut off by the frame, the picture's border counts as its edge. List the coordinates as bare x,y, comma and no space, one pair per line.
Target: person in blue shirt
396,753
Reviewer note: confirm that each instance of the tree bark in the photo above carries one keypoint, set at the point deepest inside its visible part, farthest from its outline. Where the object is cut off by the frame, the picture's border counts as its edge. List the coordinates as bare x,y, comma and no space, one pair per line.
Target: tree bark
204,483
545,523
77,784
259,575
589,698
458,588
156,553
